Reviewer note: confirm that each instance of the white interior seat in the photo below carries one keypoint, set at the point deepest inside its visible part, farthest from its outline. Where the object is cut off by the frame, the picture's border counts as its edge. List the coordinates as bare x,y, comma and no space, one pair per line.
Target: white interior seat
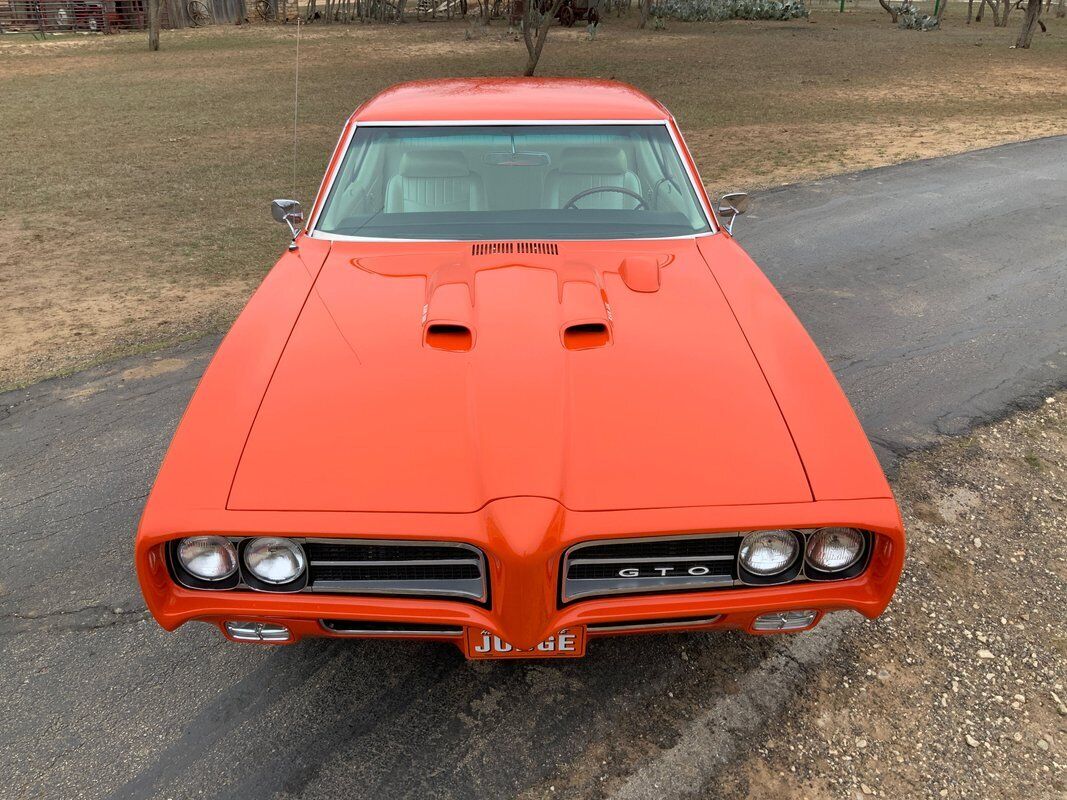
434,180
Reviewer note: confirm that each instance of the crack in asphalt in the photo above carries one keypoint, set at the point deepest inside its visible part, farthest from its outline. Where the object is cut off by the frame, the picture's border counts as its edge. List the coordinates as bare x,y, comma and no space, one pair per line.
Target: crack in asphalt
90,617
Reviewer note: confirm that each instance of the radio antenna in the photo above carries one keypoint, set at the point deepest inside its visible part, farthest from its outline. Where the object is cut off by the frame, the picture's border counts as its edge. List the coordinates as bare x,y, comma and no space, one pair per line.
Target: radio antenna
296,93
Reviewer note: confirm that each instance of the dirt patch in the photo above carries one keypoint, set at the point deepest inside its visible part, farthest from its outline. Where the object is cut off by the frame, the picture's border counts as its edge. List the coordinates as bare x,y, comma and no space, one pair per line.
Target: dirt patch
154,369
136,185
958,691
63,315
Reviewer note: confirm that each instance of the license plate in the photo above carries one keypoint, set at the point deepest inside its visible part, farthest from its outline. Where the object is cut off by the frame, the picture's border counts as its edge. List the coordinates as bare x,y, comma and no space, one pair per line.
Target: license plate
568,643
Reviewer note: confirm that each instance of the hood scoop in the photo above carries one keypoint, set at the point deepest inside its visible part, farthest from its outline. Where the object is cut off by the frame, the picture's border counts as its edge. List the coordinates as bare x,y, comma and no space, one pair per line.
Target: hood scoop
585,335
522,248
449,336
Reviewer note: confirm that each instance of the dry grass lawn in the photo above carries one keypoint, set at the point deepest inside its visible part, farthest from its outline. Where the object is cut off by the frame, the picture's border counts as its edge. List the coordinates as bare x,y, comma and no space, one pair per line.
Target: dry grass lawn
136,186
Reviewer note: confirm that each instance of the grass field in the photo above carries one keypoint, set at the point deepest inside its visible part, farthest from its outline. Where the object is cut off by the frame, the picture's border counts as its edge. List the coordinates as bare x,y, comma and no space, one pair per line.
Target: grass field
136,186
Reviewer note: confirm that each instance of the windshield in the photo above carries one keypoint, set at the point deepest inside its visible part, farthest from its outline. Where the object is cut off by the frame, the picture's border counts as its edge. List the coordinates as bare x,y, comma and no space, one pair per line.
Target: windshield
512,181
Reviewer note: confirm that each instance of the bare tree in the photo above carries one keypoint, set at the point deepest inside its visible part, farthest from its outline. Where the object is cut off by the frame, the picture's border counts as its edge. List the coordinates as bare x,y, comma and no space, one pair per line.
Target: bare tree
992,9
535,27
1061,9
153,24
646,11
894,11
1030,22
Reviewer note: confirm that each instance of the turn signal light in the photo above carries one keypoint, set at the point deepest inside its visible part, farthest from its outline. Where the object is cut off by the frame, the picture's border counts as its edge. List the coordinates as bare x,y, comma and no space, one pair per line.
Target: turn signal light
257,631
785,620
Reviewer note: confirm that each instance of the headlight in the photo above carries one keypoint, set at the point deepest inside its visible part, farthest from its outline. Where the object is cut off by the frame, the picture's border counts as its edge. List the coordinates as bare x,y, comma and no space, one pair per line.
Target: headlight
834,549
209,558
768,552
274,560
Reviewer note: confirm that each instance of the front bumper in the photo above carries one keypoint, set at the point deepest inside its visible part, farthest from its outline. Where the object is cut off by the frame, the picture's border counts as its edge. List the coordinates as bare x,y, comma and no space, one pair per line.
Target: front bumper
524,539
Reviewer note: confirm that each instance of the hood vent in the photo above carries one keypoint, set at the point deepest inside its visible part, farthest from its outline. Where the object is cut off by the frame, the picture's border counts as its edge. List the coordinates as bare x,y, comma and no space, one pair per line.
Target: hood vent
527,248
585,335
449,336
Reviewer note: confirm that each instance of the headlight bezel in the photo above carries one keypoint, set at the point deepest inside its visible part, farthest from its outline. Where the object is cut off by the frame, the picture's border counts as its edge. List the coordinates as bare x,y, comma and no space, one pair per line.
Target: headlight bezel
211,542
242,577
254,581
787,574
813,572
190,580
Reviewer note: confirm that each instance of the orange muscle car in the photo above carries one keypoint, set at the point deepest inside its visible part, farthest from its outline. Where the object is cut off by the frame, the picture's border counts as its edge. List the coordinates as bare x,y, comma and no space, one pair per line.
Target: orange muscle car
514,386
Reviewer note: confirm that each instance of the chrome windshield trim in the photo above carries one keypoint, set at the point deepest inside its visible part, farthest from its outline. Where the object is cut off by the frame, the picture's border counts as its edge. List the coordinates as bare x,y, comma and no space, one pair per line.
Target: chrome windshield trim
325,188
340,237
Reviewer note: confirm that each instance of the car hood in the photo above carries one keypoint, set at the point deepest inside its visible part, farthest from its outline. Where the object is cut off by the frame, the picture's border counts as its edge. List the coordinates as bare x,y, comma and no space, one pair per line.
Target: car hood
439,377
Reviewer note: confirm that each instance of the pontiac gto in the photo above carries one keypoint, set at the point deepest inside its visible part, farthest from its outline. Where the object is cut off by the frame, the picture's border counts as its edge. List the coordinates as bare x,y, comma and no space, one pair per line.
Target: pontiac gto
514,385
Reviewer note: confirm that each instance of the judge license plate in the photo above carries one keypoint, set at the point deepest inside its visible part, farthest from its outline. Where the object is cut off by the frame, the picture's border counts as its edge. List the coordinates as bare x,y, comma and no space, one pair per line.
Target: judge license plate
568,643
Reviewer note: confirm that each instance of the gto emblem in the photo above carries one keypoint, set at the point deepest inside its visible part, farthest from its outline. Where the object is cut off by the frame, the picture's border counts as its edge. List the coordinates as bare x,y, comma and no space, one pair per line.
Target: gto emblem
634,572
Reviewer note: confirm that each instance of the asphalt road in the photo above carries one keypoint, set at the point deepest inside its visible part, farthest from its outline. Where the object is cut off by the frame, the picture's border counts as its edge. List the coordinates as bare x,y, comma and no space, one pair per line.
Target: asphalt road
938,291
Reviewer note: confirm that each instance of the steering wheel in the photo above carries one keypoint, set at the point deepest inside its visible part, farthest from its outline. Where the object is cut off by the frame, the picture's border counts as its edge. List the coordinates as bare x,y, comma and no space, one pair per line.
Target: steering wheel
597,189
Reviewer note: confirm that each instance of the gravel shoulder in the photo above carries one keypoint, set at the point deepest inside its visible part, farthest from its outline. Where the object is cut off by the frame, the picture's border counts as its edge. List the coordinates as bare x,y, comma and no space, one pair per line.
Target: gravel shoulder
958,691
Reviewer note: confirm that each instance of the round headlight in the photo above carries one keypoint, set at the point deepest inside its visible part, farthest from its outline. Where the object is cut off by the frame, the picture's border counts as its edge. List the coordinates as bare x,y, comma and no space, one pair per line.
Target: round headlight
274,560
768,552
209,558
834,549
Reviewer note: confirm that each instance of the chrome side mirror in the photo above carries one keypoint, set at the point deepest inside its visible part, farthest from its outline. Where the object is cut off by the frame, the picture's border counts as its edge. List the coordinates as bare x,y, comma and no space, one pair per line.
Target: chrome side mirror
730,206
288,211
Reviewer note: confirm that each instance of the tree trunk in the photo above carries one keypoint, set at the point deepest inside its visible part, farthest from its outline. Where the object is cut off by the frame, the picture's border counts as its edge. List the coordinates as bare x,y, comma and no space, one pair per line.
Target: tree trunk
534,46
153,24
941,11
646,11
1026,33
970,11
1004,16
892,12
1061,9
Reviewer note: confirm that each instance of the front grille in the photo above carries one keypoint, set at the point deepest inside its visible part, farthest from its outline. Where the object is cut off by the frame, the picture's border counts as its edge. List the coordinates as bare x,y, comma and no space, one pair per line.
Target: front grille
394,572
664,548
436,569
594,571
649,565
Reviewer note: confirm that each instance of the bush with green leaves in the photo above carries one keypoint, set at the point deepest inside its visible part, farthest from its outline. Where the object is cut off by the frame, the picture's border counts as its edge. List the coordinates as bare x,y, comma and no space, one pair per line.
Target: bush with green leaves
715,10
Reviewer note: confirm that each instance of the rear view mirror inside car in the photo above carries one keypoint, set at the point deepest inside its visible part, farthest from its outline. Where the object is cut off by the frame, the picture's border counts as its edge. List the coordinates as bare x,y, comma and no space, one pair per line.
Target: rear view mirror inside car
528,159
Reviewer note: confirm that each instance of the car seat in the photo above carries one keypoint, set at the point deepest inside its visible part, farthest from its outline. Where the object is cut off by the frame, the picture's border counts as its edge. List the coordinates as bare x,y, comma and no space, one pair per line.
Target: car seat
582,168
434,180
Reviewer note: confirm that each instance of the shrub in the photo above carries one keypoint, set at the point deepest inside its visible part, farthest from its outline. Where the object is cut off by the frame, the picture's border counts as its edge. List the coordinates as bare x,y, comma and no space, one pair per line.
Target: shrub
714,10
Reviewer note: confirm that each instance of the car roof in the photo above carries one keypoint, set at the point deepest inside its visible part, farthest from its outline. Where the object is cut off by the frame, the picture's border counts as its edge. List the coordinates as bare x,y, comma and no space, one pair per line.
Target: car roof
507,99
